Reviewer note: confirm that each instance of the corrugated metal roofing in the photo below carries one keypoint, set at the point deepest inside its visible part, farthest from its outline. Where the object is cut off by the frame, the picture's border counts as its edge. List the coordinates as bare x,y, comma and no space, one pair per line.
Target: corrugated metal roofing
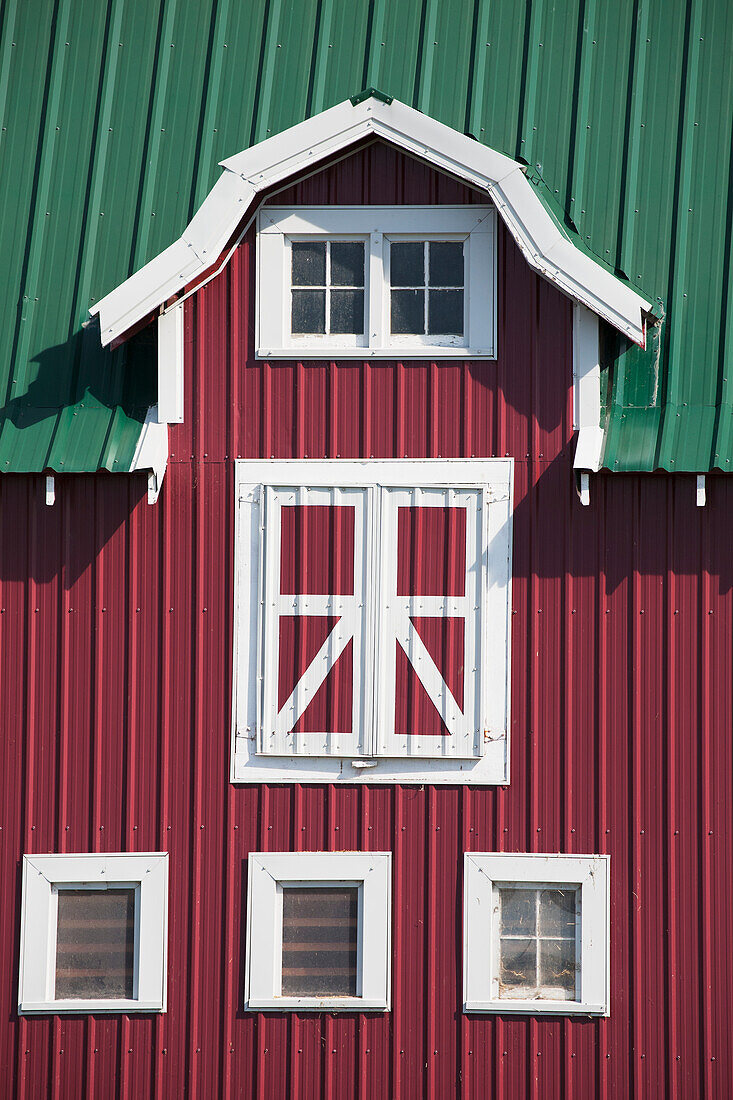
115,115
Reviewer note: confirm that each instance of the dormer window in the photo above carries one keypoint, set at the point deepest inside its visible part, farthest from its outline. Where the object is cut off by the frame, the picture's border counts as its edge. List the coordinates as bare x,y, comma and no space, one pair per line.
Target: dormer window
327,291
376,281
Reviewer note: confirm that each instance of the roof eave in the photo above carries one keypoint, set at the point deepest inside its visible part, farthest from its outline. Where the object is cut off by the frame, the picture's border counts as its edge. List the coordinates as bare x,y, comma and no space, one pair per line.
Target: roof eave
324,136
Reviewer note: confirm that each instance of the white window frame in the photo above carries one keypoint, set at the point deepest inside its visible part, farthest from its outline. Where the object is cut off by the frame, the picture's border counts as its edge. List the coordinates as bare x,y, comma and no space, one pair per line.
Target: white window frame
43,876
494,477
376,226
484,874
267,874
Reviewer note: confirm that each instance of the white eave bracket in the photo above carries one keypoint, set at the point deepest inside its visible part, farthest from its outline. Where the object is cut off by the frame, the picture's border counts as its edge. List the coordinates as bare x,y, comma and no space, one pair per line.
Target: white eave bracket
151,453
319,139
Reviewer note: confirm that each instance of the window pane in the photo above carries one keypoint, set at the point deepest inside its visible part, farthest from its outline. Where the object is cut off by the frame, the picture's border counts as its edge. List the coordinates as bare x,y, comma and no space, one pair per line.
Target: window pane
445,263
347,264
518,964
407,265
518,912
309,263
95,943
445,312
557,913
320,941
309,311
557,967
408,311
347,311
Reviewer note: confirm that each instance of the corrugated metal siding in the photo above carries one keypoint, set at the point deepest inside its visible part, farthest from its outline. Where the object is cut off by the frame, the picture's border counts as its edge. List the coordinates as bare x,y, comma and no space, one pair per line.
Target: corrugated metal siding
115,680
114,117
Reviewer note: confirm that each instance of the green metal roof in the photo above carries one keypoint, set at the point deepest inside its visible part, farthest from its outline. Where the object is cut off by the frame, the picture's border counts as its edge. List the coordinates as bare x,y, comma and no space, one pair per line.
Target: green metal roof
114,116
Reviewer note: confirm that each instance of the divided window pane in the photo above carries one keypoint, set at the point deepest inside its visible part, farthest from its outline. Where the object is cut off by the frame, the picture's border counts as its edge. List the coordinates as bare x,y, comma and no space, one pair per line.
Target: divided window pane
327,287
538,937
319,944
95,943
427,288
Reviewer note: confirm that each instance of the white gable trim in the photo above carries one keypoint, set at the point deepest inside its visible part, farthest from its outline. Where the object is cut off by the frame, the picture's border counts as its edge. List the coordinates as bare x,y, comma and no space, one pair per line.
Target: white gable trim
318,139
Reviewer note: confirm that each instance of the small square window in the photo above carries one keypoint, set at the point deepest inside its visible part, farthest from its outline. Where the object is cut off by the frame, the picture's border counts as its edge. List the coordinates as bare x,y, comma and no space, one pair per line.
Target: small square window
538,943
429,300
95,944
376,280
320,938
318,930
327,294
93,936
536,933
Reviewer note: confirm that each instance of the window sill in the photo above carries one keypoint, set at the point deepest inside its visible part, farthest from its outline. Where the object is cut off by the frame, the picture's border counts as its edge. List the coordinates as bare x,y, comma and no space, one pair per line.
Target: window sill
427,351
491,769
316,1004
535,1008
60,1008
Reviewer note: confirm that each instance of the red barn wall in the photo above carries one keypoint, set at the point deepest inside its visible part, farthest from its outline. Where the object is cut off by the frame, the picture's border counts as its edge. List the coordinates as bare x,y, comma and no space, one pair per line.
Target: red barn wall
115,679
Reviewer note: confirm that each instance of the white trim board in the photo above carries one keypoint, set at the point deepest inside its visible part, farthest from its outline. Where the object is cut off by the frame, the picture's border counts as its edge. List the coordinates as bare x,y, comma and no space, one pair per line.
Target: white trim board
587,390
316,140
151,453
268,873
483,874
147,872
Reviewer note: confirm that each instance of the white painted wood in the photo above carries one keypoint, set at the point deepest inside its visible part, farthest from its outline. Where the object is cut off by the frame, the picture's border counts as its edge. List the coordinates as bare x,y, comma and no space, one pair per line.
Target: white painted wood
50,490
483,871
354,625
151,453
395,612
316,140
377,227
148,872
268,872
492,478
170,366
587,390
700,494
584,488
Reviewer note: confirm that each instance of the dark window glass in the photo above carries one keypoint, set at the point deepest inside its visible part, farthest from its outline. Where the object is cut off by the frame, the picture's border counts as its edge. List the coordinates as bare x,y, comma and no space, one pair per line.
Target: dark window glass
407,266
408,311
320,930
347,311
445,263
347,265
95,944
309,264
309,311
445,312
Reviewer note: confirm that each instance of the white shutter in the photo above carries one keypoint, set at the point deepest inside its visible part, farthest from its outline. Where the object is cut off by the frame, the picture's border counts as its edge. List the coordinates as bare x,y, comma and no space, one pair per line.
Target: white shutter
316,631
430,623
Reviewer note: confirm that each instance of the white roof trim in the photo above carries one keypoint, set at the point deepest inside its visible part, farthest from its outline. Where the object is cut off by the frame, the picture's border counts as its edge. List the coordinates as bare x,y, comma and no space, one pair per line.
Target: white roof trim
320,138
